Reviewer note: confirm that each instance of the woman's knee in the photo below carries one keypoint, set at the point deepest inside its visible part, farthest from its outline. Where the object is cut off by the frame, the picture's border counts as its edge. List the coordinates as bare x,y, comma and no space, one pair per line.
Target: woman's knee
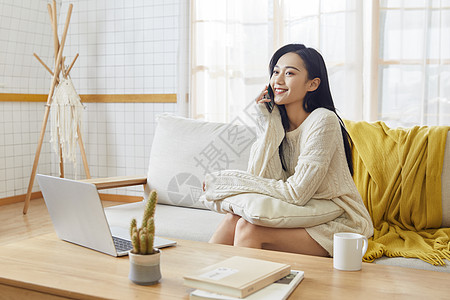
224,233
230,219
245,232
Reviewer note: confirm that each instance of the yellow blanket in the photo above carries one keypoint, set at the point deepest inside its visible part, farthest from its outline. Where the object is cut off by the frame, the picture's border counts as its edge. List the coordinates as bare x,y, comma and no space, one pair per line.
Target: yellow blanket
398,174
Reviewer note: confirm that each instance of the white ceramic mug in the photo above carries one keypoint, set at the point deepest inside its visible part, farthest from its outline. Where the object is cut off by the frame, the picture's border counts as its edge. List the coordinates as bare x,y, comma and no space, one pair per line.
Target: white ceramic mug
348,250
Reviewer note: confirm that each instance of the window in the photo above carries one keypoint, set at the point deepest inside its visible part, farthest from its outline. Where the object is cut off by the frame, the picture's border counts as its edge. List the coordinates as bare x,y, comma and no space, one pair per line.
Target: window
413,60
387,59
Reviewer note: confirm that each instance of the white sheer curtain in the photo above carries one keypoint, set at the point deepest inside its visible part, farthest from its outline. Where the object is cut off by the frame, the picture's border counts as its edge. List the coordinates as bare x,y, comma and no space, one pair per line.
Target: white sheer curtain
232,42
414,62
229,55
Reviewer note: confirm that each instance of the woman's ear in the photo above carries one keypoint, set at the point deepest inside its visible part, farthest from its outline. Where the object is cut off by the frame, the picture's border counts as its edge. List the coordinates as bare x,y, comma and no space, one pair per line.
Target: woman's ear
313,84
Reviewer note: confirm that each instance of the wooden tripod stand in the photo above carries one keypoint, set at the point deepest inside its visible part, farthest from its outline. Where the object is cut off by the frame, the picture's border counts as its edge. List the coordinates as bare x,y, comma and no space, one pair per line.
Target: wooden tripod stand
58,68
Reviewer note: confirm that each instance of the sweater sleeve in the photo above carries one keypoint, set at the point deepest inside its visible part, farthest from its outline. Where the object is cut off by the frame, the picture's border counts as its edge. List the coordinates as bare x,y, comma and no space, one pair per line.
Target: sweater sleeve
264,160
317,150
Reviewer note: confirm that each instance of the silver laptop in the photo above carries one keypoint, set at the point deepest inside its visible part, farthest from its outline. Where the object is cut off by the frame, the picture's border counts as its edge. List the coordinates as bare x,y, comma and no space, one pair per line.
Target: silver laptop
78,217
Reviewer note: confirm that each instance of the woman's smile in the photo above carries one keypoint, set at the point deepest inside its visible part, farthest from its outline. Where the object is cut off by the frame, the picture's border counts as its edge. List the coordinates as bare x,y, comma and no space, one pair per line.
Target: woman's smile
279,91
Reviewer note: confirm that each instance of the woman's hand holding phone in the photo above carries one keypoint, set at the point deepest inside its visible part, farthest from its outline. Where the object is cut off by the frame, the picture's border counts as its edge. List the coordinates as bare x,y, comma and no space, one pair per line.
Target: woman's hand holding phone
264,97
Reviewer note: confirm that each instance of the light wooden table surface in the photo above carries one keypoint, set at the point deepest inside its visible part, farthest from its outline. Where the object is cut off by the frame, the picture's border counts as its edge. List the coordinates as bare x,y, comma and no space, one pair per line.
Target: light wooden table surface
45,267
17,226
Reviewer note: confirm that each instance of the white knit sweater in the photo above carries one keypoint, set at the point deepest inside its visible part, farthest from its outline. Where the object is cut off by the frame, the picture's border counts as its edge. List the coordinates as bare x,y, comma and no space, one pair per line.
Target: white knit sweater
316,169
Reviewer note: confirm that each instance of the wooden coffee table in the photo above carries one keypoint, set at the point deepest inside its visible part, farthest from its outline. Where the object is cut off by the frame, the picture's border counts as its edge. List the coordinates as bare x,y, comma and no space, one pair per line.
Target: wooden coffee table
46,267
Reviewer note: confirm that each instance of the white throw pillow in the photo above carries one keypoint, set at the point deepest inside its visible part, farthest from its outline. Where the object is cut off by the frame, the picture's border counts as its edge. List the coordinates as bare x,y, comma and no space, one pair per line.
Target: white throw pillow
267,211
185,150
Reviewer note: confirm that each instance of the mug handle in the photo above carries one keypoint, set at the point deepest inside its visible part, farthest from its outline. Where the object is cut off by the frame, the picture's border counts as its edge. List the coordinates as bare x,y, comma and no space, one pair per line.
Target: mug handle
366,244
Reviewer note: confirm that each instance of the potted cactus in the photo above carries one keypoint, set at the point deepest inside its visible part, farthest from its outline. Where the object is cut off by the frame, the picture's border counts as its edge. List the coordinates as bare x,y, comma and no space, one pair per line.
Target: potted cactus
144,259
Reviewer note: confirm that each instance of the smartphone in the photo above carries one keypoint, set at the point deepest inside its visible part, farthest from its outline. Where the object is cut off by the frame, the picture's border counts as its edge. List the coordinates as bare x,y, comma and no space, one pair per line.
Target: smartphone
269,95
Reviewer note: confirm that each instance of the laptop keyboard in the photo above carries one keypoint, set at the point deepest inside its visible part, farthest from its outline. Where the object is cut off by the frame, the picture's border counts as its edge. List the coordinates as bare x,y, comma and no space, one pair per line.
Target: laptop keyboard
121,244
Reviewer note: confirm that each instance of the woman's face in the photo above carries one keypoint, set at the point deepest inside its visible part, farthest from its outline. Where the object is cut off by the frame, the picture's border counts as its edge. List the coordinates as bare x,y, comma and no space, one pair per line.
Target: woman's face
289,80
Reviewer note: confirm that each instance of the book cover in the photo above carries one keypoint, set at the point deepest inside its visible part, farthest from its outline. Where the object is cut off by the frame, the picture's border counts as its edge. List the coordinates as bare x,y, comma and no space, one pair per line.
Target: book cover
237,276
279,290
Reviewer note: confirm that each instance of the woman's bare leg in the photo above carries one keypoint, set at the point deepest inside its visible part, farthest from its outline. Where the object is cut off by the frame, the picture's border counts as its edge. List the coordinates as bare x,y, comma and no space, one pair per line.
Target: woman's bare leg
295,240
224,233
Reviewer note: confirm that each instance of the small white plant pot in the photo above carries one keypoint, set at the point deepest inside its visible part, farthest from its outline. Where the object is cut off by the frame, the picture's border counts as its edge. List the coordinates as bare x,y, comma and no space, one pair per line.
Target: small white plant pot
144,269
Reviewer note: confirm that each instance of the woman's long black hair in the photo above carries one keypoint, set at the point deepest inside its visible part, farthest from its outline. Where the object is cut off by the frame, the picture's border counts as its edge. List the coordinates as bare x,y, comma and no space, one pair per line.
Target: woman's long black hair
321,97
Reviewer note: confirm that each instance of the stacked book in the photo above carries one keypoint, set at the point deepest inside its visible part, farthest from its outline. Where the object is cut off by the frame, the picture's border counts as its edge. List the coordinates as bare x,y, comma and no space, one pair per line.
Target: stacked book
242,277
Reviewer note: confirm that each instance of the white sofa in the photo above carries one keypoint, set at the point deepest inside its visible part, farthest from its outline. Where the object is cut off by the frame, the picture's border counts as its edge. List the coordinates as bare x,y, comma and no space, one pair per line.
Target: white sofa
184,150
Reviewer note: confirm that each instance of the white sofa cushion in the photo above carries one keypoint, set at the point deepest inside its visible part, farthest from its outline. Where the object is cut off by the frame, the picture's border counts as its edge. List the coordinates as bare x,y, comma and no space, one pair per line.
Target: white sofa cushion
185,150
170,221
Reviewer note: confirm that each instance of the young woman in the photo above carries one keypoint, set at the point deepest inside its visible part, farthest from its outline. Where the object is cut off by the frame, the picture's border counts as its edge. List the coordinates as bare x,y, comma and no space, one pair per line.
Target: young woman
302,153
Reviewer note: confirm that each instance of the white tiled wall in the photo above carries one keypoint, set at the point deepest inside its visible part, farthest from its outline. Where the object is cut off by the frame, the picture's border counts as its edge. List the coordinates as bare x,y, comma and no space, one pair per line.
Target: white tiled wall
19,131
125,47
24,30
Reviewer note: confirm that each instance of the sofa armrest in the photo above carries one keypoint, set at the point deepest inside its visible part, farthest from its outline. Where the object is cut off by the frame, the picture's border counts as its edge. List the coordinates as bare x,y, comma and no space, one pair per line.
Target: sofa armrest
116,182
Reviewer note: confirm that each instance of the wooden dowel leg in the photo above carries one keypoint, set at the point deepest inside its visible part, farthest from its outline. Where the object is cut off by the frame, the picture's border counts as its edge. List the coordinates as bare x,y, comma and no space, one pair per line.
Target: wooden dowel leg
71,65
61,161
45,66
83,154
39,146
55,29
36,160
50,13
43,63
63,69
49,100
44,125
63,40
